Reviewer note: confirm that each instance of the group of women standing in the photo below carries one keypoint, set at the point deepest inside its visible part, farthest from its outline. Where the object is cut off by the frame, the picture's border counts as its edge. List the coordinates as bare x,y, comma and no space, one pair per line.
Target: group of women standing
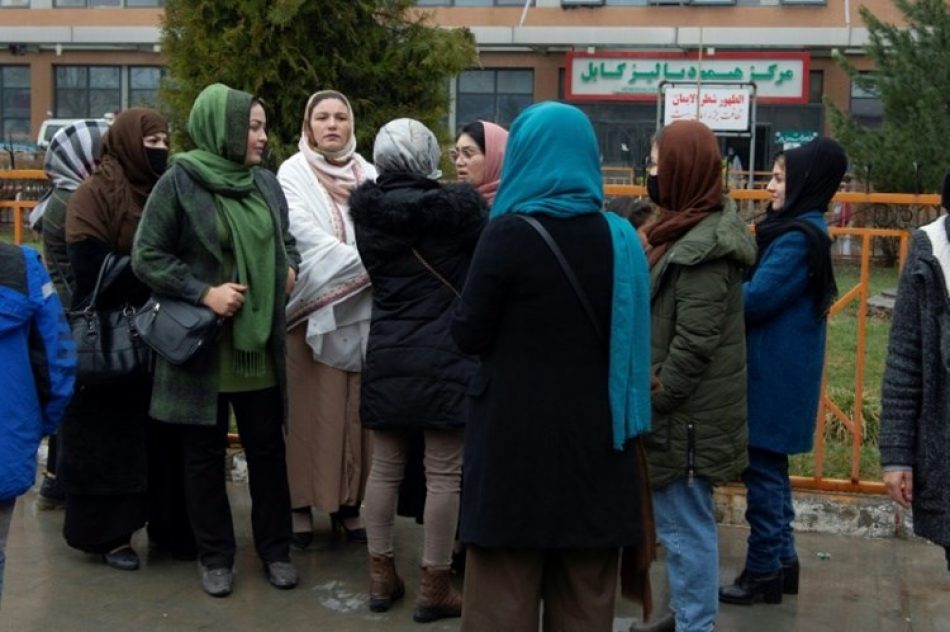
368,306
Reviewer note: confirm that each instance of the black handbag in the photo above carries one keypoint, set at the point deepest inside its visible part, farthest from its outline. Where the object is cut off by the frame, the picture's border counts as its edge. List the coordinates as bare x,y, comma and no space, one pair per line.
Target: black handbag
108,347
175,329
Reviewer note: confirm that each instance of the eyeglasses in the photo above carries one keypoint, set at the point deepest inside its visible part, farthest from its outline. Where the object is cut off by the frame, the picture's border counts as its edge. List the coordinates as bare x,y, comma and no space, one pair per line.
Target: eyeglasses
466,152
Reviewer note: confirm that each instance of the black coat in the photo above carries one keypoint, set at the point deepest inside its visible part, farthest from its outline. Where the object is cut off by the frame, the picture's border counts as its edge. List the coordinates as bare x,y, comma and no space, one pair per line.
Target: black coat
540,470
414,376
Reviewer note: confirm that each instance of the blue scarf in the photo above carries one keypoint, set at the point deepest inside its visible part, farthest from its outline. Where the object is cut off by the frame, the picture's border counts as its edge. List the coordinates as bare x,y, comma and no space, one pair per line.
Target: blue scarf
552,167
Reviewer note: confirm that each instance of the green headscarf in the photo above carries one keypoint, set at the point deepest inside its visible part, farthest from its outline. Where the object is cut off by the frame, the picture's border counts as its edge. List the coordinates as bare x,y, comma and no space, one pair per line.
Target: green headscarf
218,125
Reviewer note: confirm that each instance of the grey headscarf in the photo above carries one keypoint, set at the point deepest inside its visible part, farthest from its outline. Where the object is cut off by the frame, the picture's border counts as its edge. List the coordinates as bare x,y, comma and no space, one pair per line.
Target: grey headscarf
407,146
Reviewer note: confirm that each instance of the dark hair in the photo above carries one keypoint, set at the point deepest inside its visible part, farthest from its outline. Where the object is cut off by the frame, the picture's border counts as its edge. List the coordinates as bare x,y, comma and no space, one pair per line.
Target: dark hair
636,210
476,130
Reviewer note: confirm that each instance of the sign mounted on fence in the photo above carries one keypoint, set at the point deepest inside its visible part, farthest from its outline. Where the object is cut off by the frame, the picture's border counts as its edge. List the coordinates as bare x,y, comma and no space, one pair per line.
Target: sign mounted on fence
722,109
779,77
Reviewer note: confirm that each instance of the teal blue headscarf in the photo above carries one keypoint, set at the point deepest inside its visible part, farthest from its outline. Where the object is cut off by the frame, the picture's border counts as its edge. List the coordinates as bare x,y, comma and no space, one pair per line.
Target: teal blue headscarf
552,167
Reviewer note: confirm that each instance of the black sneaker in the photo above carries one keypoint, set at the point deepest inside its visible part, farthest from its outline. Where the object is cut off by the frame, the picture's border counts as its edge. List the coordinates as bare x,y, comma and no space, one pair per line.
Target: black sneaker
51,495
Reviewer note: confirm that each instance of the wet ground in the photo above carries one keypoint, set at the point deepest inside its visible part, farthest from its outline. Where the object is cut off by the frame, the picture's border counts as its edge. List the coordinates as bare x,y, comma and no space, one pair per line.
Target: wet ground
848,584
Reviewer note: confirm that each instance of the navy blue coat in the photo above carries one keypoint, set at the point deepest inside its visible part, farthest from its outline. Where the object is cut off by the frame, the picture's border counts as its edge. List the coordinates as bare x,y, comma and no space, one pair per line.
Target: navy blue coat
785,346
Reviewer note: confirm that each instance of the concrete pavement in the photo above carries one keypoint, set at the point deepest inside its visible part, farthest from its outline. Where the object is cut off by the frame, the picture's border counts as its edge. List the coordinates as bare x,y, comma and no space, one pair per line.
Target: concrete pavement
864,585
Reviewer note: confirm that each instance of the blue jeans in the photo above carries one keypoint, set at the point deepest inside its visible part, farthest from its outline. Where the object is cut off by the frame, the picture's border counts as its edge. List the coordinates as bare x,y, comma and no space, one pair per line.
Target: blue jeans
6,516
686,526
769,512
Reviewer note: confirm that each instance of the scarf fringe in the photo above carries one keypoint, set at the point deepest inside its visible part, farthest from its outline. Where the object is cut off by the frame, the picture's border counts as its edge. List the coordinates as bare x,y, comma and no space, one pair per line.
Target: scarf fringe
249,363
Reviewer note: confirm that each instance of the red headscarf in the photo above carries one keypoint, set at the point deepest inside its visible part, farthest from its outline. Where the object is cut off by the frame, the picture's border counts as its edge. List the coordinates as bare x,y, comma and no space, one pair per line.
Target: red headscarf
688,176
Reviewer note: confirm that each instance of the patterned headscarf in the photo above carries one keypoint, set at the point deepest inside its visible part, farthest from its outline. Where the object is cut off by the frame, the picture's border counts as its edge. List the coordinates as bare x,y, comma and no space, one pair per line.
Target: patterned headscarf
407,146
72,156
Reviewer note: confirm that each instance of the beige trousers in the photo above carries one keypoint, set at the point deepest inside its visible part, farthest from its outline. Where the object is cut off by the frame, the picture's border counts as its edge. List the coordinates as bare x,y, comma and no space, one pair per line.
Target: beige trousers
328,452
443,467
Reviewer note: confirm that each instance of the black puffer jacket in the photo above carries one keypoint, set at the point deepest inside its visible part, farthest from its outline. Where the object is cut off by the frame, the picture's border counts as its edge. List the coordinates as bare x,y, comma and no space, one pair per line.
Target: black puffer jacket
414,376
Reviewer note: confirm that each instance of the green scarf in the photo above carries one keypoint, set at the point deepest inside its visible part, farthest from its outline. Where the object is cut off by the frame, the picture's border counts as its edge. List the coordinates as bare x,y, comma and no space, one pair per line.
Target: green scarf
218,126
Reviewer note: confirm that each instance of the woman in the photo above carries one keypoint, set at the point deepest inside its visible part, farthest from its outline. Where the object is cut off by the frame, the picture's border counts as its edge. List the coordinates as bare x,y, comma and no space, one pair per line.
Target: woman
698,251
478,156
915,413
215,233
72,156
105,461
786,296
415,238
328,322
551,485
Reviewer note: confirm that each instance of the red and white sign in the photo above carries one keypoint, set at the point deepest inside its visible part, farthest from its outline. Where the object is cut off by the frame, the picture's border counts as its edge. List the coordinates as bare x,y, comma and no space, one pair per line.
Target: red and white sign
720,108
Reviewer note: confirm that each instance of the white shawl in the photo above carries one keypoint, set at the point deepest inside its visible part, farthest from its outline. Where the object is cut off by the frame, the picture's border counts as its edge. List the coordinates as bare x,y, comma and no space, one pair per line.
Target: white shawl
333,289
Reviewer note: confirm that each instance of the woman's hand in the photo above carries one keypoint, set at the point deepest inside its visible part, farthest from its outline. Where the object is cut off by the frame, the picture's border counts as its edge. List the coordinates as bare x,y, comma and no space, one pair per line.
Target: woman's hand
291,280
900,486
226,299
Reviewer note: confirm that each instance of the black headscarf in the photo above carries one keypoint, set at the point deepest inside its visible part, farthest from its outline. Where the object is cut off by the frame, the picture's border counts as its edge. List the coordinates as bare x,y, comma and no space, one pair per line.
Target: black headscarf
813,173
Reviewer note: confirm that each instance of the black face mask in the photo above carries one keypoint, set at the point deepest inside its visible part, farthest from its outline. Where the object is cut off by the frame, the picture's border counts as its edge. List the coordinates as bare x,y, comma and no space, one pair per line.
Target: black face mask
157,159
653,189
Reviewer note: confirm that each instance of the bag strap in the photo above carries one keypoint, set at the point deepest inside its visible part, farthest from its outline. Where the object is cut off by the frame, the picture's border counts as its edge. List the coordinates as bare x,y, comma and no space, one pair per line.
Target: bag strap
568,272
106,267
436,274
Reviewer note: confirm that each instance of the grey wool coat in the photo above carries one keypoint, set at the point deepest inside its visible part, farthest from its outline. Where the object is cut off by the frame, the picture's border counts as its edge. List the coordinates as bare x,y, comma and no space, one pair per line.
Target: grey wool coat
915,415
177,253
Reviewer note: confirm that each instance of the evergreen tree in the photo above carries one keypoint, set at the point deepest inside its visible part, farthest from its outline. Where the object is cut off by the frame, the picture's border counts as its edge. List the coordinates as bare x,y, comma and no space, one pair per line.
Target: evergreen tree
912,77
384,55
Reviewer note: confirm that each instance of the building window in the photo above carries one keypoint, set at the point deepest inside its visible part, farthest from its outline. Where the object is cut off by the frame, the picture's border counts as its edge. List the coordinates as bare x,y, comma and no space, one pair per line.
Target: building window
143,85
15,104
62,4
493,95
471,3
15,4
816,85
87,91
866,106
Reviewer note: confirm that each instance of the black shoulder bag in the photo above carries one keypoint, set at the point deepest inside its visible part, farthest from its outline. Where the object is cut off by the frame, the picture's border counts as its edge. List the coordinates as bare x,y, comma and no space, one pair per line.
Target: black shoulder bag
109,349
177,330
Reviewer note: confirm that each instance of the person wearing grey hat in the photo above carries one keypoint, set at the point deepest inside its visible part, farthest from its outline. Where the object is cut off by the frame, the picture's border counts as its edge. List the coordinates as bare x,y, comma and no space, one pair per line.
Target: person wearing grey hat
415,237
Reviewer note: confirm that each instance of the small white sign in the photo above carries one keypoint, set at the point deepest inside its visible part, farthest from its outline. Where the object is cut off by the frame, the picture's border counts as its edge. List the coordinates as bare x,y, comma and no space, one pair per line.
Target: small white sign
721,109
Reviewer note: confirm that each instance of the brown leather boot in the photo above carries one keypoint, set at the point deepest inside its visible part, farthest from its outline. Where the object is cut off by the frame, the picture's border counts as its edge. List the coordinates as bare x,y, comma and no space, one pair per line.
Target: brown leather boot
385,587
437,598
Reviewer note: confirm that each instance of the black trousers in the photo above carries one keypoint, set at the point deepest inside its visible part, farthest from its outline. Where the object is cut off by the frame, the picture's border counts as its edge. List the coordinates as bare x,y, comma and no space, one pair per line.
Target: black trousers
260,427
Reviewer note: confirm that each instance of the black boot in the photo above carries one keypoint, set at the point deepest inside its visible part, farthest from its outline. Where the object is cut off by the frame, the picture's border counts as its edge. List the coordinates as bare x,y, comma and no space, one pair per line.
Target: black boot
665,623
790,569
748,588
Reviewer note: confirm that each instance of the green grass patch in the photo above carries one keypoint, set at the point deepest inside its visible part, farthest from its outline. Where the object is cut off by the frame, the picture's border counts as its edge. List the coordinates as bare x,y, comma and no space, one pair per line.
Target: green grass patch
840,367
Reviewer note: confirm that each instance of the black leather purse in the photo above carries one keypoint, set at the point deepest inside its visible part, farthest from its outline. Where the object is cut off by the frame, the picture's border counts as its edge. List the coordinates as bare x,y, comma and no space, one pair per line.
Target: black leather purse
108,347
175,329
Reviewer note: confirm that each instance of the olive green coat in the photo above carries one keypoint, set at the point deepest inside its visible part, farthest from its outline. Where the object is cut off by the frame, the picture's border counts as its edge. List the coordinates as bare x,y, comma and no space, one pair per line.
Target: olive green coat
177,252
698,340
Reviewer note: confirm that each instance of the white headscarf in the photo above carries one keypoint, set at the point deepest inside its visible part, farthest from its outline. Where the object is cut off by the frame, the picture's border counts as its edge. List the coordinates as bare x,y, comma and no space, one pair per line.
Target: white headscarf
407,146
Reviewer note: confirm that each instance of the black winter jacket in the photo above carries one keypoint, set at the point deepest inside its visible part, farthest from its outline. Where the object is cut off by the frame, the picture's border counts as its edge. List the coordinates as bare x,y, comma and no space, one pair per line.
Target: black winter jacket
414,376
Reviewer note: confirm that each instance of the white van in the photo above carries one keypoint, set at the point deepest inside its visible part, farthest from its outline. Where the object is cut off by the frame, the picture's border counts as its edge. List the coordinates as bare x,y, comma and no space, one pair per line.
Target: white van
49,127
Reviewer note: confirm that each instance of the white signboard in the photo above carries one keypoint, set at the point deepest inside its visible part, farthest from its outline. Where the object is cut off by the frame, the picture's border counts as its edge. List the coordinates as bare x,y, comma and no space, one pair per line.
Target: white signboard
778,77
721,109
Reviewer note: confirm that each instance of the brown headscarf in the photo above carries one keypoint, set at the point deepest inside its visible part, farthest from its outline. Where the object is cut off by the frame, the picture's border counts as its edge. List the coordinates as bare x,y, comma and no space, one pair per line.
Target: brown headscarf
688,176
108,205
